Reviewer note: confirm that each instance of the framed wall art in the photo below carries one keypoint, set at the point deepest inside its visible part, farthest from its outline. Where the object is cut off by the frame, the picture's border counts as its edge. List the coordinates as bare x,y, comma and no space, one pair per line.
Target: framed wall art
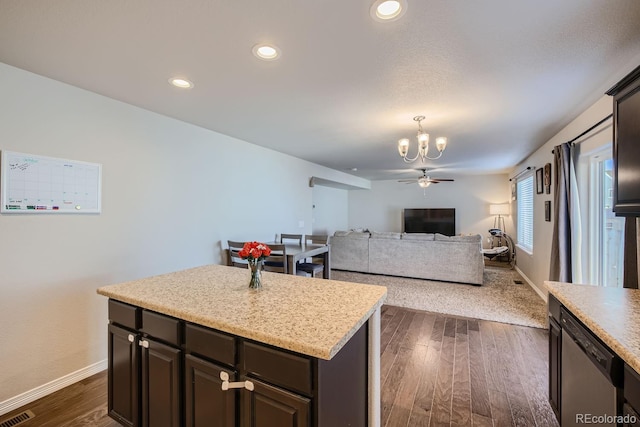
547,178
547,210
539,181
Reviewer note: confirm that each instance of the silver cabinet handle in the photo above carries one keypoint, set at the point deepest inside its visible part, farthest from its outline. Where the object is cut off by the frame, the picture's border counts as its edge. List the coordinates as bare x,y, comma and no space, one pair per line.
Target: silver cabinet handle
131,338
226,385
143,343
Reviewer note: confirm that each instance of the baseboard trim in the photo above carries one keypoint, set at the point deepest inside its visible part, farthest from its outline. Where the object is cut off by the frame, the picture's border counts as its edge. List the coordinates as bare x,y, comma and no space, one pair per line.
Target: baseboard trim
50,387
530,283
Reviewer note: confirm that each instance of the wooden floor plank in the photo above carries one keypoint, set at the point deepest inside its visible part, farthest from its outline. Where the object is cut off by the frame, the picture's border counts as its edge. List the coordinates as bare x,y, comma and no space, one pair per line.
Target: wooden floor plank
388,331
443,392
391,386
399,325
480,404
518,402
403,403
423,402
416,327
461,399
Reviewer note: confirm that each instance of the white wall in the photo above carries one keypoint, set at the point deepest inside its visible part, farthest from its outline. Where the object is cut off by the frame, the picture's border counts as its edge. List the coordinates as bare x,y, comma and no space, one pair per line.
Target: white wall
172,192
535,266
380,208
330,209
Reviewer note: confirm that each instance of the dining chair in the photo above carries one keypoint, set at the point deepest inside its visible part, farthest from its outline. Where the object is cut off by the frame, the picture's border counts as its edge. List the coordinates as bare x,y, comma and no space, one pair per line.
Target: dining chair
291,237
317,263
277,261
233,256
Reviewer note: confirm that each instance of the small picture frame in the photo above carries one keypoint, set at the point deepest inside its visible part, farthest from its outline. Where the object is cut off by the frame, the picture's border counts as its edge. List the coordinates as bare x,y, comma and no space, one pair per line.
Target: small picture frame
547,178
514,191
539,181
547,210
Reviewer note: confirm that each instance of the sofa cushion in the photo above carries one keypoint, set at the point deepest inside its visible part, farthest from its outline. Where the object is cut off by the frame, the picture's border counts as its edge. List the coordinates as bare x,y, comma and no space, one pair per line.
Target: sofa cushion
441,237
385,235
351,234
473,238
418,236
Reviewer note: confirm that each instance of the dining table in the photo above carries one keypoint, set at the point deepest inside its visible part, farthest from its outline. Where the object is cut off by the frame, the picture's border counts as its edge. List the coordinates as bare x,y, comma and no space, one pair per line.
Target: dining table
297,252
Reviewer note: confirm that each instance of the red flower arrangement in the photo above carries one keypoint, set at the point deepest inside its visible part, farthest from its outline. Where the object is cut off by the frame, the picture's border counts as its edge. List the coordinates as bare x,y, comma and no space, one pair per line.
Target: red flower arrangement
254,251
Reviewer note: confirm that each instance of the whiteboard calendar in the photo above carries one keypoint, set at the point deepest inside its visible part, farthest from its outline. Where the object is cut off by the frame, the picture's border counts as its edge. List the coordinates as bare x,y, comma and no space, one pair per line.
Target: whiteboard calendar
38,184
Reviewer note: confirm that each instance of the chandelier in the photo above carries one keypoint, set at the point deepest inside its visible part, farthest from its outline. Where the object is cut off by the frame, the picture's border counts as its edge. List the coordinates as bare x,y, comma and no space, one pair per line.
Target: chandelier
423,145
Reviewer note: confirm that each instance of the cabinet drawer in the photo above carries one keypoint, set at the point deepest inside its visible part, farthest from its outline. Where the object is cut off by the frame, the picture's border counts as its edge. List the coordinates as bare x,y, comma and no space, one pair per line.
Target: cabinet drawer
278,367
211,344
124,314
162,327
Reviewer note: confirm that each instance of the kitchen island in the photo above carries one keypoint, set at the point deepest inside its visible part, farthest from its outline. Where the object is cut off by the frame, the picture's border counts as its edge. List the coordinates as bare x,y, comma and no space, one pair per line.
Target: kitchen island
198,347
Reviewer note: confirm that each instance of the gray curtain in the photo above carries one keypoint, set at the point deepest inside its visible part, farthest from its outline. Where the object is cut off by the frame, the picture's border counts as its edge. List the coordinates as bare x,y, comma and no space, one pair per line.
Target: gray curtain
561,244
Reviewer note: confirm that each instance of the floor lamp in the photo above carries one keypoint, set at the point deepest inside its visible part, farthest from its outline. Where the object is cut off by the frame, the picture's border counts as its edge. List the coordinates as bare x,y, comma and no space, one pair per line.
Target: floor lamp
499,210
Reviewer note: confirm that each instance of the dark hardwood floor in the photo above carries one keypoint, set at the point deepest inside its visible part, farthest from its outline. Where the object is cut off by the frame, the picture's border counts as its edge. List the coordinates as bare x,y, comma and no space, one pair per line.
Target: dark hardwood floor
439,370
436,370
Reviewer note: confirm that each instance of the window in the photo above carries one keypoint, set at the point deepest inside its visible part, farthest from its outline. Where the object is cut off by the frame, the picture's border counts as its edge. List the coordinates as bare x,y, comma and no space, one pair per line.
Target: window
525,213
606,231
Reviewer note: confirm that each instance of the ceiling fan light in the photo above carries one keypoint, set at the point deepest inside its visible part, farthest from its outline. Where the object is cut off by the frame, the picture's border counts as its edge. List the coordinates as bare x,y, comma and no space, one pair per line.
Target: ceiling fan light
424,182
441,143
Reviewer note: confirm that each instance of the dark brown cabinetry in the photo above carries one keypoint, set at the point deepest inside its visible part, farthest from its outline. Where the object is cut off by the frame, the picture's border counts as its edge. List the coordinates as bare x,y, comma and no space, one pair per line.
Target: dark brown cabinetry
123,368
269,406
555,344
144,372
626,144
161,376
631,397
167,372
206,404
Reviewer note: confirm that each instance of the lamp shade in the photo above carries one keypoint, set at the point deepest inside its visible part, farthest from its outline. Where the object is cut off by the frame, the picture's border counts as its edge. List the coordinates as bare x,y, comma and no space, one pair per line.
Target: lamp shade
499,209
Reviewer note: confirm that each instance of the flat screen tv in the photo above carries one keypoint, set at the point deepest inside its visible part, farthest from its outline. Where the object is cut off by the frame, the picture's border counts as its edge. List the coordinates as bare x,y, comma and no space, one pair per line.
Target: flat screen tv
440,220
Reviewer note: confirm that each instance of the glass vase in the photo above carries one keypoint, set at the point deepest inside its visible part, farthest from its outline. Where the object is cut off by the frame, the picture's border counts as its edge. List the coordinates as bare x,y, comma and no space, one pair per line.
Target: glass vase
255,268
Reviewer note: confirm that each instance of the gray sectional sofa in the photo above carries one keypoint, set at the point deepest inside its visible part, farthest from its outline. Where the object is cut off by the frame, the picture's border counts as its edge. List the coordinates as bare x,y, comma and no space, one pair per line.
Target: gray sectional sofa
423,256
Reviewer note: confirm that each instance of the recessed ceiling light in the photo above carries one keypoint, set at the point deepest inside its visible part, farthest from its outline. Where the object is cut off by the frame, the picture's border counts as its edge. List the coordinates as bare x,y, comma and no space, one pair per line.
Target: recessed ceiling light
266,52
388,10
181,83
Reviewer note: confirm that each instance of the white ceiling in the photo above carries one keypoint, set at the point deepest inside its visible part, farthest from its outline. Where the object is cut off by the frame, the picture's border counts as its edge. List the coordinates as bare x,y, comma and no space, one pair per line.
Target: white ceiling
498,77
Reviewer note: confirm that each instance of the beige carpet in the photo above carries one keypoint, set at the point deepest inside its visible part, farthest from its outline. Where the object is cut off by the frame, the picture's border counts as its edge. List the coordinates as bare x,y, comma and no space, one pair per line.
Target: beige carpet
499,299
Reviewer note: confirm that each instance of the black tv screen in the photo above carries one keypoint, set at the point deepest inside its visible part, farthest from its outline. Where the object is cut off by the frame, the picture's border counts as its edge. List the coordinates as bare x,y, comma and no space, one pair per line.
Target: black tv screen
438,220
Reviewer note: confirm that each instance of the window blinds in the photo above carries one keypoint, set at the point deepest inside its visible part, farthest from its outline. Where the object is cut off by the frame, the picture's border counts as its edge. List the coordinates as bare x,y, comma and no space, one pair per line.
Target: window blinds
525,213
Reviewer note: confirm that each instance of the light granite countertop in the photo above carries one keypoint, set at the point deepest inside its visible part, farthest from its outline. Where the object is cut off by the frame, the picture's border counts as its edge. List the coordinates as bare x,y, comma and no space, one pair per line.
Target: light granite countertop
315,317
612,314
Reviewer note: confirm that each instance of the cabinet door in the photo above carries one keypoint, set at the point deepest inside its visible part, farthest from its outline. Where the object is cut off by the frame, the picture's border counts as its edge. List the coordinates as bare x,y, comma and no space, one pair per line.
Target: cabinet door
123,376
161,384
268,406
206,404
555,343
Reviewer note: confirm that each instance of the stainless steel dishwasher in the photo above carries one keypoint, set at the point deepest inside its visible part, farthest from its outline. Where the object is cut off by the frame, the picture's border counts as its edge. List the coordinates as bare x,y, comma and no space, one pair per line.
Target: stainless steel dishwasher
591,377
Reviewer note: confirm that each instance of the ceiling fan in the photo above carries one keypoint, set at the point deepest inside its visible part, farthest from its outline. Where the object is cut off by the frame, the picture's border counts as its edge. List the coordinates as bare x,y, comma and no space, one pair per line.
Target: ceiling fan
424,181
